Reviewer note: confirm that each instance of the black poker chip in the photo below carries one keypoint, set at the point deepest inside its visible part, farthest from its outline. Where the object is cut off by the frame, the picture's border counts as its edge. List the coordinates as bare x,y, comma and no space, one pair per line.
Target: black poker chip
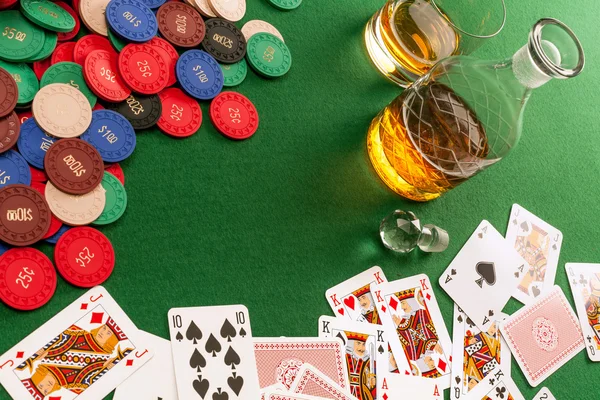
224,41
142,111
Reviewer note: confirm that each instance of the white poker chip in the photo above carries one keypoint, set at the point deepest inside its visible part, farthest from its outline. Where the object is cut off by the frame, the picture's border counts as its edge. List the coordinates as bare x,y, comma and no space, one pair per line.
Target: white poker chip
231,10
203,7
255,26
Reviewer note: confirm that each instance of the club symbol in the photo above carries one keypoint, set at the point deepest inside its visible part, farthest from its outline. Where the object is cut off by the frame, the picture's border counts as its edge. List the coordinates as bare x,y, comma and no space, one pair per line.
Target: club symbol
500,392
492,381
582,279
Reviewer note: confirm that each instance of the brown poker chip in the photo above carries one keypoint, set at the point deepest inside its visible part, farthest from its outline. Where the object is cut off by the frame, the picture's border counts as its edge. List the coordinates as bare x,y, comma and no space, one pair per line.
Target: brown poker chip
24,215
180,24
10,127
74,166
9,93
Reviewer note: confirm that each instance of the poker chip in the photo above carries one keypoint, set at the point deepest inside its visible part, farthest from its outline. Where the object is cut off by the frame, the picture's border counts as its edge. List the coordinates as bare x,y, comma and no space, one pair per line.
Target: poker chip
24,215
69,73
204,8
154,3
74,166
55,223
111,134
5,4
13,169
50,43
61,110
116,200
27,82
116,42
39,67
231,10
87,44
10,129
75,210
4,248
32,36
116,170
92,14
64,36
48,15
169,54
199,74
224,41
100,72
37,175
131,20
9,93
34,143
27,279
24,115
143,68
180,24
285,5
54,238
268,55
181,115
234,74
63,53
141,111
234,115
255,26
84,257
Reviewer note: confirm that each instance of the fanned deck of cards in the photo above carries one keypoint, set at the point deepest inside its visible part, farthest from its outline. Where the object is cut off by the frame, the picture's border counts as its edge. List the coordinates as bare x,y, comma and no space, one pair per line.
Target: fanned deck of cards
387,339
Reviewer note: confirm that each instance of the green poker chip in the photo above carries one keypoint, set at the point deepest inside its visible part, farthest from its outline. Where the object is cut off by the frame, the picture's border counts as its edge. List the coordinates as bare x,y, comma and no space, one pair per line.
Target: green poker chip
26,80
20,38
116,42
47,49
285,5
268,55
70,73
48,15
116,200
234,74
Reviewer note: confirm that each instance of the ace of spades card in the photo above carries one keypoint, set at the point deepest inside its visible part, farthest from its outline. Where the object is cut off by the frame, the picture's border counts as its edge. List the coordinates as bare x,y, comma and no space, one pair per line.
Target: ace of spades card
483,275
366,353
475,354
538,243
83,352
585,286
213,353
416,331
496,385
352,299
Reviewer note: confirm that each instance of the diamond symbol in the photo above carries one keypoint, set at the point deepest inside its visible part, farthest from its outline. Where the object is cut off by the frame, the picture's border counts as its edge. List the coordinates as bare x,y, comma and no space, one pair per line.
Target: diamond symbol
393,303
383,308
442,365
97,318
129,363
428,296
385,396
83,306
20,354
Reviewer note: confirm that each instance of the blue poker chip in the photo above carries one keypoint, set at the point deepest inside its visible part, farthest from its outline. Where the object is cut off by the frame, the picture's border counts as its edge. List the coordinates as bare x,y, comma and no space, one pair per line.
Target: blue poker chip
199,74
132,20
33,143
154,4
111,134
14,169
54,238
4,248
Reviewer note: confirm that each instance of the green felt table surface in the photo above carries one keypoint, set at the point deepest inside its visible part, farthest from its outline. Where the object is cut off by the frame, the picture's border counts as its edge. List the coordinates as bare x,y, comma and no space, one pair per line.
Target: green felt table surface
273,221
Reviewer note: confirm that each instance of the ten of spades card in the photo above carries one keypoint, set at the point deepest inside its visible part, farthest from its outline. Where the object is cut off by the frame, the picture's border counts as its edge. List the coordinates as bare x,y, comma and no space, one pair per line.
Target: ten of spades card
352,299
585,286
483,275
366,355
538,243
416,331
213,353
83,352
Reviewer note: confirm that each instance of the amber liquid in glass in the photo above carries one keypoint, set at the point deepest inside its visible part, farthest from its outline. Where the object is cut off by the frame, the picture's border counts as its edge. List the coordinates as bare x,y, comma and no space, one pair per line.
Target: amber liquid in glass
426,142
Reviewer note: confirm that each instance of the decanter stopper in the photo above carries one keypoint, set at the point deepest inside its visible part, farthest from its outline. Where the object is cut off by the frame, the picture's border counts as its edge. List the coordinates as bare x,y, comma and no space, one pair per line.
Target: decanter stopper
401,231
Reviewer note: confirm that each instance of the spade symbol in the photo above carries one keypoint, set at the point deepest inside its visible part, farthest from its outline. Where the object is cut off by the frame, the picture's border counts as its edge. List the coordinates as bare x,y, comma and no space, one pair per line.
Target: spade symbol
201,386
491,313
236,383
228,331
453,271
470,322
554,247
193,333
197,360
460,318
219,395
536,291
232,358
212,345
525,226
179,337
380,349
487,271
514,221
457,379
243,332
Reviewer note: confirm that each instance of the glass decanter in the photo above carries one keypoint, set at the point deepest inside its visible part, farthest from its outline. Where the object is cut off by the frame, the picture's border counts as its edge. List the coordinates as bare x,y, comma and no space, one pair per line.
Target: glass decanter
465,114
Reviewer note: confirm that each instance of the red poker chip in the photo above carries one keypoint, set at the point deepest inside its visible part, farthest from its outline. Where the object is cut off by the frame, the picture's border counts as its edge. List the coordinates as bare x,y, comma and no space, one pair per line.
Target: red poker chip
143,68
39,67
101,73
98,106
84,257
24,116
181,115
75,4
4,4
27,278
64,36
168,52
117,171
234,115
63,52
89,43
55,223
37,175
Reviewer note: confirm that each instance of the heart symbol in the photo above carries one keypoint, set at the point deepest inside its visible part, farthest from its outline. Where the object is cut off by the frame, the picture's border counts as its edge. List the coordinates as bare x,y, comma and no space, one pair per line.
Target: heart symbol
341,311
201,386
236,383
487,271
349,301
536,291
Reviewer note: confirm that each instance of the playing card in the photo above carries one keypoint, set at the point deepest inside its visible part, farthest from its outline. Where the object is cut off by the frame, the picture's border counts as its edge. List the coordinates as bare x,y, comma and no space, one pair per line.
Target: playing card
313,382
475,354
544,394
156,380
366,353
538,243
497,386
543,336
352,299
483,276
83,352
279,359
416,331
398,386
213,353
585,286
278,387
289,396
